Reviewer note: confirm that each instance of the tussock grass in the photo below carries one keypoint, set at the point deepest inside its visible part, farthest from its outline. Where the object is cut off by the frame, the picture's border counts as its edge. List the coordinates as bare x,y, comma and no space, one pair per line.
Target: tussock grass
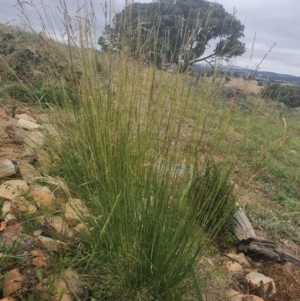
124,152
123,156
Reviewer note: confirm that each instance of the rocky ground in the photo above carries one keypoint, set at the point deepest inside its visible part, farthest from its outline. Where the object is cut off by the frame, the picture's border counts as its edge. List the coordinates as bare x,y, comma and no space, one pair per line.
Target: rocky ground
39,220
36,221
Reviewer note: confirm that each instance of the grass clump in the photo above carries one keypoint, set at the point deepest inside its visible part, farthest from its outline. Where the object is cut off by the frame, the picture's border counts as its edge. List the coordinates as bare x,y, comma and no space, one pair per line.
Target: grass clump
119,155
211,193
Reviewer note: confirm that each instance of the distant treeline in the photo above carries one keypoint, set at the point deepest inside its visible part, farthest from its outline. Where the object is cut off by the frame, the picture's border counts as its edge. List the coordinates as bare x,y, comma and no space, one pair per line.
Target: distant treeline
287,94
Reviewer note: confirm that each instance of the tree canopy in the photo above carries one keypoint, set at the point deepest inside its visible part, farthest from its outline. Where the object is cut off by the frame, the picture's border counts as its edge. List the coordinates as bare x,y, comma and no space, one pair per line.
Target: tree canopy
169,31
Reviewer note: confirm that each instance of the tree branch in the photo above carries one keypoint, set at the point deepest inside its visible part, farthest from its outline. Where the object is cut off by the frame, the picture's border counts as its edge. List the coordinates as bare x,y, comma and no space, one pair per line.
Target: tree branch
209,64
201,59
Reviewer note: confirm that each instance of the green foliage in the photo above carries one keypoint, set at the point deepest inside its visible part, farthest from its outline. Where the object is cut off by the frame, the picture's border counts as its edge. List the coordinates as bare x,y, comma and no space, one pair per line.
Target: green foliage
168,31
289,95
19,92
31,58
49,93
212,198
43,93
7,43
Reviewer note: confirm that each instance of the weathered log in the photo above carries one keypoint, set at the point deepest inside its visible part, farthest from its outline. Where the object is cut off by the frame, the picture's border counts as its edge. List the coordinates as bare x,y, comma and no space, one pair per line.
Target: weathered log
242,227
250,243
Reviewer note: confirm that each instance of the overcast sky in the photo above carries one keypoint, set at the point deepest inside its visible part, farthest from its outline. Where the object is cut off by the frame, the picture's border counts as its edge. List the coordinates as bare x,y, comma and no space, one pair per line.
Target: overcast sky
273,21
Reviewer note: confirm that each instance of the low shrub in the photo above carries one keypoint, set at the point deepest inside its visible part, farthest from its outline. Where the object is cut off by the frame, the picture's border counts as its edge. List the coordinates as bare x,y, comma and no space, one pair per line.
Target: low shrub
289,95
19,92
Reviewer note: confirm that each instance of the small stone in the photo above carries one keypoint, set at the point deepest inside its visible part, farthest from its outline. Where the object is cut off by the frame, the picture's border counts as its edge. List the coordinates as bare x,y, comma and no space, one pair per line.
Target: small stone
27,125
39,258
28,172
66,284
25,116
7,168
72,281
11,189
43,195
2,225
12,235
6,208
51,244
59,225
12,282
22,208
31,208
240,258
21,204
44,161
34,141
16,133
42,287
249,270
81,227
74,210
292,151
10,219
28,156
27,111
263,282
233,266
37,232
62,292
232,295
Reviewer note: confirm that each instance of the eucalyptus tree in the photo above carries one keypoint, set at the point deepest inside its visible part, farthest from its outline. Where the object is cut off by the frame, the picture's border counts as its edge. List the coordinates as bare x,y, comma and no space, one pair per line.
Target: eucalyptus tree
168,31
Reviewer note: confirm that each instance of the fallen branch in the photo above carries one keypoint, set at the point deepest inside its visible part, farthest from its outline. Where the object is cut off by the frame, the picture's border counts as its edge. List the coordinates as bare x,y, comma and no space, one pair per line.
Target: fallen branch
250,243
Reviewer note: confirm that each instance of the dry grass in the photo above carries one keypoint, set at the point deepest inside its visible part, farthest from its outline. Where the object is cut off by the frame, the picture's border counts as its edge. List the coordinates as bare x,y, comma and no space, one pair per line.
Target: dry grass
249,86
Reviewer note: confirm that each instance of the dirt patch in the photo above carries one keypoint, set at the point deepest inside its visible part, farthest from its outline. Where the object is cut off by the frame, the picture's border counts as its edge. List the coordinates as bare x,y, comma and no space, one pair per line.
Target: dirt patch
287,279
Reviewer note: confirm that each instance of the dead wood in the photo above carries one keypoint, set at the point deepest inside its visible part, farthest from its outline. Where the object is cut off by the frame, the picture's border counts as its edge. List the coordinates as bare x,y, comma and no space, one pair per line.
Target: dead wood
250,243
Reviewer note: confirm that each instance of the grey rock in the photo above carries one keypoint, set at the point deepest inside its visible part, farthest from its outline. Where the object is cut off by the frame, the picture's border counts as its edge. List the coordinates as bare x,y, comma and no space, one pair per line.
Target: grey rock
7,168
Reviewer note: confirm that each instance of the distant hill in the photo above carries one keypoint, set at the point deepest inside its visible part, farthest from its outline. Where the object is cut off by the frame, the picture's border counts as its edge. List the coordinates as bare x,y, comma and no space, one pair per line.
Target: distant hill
264,75
238,71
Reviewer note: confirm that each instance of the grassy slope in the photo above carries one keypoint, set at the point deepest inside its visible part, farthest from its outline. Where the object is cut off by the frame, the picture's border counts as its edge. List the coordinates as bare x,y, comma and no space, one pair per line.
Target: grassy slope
262,143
